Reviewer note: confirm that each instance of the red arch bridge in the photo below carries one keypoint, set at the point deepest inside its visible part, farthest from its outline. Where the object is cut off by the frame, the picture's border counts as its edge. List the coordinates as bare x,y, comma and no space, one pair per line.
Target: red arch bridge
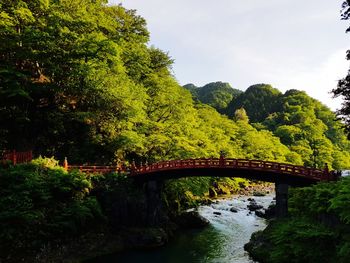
282,174
220,167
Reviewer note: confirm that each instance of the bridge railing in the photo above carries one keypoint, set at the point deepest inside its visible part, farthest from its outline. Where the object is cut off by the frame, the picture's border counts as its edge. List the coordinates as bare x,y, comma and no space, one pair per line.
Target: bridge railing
17,157
243,164
235,163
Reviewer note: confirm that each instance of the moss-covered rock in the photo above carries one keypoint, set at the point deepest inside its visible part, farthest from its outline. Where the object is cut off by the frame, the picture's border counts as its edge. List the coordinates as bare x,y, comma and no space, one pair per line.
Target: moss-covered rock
258,247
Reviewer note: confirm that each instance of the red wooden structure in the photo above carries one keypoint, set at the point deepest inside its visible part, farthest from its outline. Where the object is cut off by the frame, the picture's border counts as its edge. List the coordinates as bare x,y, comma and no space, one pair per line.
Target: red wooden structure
213,166
17,157
238,164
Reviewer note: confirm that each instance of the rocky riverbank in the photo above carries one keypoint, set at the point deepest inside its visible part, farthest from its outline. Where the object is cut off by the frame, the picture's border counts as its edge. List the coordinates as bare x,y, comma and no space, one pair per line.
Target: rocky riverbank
221,241
117,239
240,187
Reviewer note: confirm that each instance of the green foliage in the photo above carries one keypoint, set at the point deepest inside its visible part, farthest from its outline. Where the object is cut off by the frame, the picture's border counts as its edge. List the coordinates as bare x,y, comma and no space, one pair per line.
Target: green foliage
317,229
40,202
184,193
216,94
78,79
241,115
343,89
308,128
302,241
258,100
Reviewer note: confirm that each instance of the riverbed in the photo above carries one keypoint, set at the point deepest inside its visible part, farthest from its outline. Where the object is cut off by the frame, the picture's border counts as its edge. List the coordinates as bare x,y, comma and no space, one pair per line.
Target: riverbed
221,242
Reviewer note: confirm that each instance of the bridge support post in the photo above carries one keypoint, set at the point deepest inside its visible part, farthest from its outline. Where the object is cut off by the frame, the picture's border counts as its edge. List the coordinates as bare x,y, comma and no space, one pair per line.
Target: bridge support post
155,214
281,199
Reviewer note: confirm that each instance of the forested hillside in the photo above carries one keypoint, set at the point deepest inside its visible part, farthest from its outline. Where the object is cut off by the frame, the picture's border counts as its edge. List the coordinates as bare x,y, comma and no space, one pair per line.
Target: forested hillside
307,127
79,80
216,94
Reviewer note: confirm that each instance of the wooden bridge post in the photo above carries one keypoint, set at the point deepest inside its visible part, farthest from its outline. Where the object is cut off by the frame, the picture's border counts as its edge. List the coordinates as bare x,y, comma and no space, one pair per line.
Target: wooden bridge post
133,167
326,172
65,164
14,157
222,160
281,199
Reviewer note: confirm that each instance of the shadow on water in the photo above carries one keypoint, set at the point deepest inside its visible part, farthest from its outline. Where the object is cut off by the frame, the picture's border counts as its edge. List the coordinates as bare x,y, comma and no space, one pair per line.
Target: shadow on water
190,246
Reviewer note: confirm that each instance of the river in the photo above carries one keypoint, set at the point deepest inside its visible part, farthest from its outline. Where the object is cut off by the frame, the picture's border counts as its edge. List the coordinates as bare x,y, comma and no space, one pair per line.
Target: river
221,242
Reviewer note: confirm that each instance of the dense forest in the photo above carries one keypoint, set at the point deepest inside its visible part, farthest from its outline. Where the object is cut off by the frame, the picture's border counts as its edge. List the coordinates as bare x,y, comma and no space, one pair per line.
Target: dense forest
308,128
78,79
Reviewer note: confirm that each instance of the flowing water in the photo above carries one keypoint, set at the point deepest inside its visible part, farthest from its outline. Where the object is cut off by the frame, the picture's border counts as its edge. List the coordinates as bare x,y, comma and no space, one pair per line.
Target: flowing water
221,242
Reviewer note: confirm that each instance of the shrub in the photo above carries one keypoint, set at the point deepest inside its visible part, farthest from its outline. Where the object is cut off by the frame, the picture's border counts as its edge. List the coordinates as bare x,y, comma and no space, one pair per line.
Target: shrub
41,202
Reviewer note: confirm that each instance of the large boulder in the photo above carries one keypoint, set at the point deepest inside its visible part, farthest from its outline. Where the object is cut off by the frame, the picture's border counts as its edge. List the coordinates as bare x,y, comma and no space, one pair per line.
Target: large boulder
233,210
270,212
253,206
260,213
267,213
258,247
191,219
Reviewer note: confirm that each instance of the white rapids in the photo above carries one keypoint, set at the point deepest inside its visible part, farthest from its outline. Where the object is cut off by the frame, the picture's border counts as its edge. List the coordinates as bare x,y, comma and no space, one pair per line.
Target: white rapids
234,229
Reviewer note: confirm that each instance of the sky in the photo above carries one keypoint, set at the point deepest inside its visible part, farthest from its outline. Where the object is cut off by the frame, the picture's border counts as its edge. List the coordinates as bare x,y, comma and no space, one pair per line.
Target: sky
290,44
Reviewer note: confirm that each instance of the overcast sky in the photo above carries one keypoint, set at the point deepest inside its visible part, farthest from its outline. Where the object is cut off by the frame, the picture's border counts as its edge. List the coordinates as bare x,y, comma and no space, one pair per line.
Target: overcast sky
290,44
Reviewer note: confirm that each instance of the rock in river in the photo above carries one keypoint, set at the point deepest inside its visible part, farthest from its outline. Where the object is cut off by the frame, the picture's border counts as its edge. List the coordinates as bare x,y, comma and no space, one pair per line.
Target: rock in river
191,219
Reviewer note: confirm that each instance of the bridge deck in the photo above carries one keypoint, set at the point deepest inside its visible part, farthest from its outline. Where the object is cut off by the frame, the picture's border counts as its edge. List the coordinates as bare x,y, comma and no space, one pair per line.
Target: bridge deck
197,166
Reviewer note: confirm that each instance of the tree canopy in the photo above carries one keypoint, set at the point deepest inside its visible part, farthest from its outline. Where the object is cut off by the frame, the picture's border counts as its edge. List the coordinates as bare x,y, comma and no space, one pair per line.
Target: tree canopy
78,79
307,127
343,89
258,100
216,94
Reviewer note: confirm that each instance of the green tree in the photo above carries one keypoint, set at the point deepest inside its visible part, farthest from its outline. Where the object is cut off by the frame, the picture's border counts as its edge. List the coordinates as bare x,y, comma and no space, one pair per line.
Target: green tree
241,115
216,94
258,100
343,88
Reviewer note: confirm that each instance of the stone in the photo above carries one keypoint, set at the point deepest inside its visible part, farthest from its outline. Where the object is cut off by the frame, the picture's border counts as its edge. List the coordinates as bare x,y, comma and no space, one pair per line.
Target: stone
216,213
259,193
233,210
270,212
260,213
254,206
191,219
267,213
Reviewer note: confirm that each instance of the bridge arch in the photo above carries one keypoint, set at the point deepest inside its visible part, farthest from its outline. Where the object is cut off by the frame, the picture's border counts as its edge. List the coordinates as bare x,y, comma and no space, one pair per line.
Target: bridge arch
282,174
293,175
